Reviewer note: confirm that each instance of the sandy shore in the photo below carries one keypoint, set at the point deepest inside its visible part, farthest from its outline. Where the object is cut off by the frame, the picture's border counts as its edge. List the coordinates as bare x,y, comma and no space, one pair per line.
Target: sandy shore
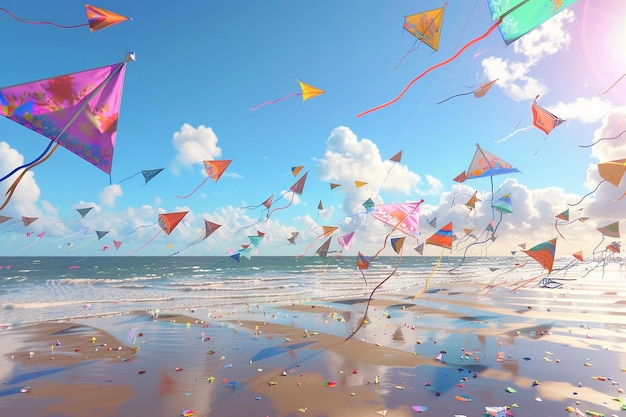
452,351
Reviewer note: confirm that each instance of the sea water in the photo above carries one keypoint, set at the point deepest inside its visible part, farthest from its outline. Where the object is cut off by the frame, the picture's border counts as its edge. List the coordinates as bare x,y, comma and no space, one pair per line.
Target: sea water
53,288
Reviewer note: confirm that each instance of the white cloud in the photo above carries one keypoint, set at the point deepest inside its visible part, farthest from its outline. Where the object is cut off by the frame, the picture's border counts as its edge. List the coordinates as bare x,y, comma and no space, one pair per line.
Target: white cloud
514,77
585,110
193,145
348,159
109,194
23,200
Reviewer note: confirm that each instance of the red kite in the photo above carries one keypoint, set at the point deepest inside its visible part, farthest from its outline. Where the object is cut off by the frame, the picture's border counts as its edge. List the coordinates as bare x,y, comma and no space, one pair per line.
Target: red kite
97,19
214,170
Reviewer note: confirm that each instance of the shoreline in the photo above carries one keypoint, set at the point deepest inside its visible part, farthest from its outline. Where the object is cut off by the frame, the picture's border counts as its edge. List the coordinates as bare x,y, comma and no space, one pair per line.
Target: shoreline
453,350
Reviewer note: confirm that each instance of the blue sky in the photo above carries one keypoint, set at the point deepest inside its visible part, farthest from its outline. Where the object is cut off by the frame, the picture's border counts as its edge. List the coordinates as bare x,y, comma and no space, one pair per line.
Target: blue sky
200,66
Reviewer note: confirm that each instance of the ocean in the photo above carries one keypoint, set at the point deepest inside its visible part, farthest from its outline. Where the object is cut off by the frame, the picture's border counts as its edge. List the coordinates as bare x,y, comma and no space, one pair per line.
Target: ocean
52,288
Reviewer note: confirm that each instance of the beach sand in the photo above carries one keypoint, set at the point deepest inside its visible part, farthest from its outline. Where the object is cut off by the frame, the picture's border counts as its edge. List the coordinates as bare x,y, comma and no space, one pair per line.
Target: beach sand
454,350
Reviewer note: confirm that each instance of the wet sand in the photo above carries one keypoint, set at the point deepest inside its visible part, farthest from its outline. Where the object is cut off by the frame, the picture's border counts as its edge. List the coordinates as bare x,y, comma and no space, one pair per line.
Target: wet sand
454,350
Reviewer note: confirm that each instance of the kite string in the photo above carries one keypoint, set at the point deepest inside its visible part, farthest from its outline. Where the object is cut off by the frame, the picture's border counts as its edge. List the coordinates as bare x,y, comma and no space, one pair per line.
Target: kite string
265,103
456,95
589,146
442,63
34,22
369,300
147,243
293,195
587,195
195,189
613,85
419,294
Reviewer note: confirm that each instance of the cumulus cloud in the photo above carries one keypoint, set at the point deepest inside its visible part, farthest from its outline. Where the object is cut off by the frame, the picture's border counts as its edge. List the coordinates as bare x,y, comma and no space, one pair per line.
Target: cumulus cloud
23,201
514,77
348,159
193,145
109,194
532,221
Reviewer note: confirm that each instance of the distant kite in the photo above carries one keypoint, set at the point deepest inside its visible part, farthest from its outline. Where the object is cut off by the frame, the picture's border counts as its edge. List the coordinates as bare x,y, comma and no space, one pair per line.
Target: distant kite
167,222
479,92
148,174
307,92
97,19
214,170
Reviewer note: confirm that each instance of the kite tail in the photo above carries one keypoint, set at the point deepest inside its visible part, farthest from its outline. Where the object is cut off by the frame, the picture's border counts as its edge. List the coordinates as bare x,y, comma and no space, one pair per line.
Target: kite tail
147,243
613,85
30,163
419,294
13,186
194,190
594,143
491,284
34,22
556,226
571,205
523,283
453,57
515,132
265,103
456,95
369,300
363,275
30,244
84,244
407,54
309,247
280,208
622,196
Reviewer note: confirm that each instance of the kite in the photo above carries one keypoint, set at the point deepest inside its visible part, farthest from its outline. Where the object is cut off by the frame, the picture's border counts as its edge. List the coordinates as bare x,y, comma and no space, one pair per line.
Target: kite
296,188
39,236
209,229
426,27
401,216
514,17
485,164
503,204
362,261
326,231
479,92
97,19
323,250
544,254
296,170
543,119
83,211
78,111
99,235
578,255
148,174
306,91
396,158
345,241
471,203
564,215
419,249
611,171
294,236
214,170
167,222
614,247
